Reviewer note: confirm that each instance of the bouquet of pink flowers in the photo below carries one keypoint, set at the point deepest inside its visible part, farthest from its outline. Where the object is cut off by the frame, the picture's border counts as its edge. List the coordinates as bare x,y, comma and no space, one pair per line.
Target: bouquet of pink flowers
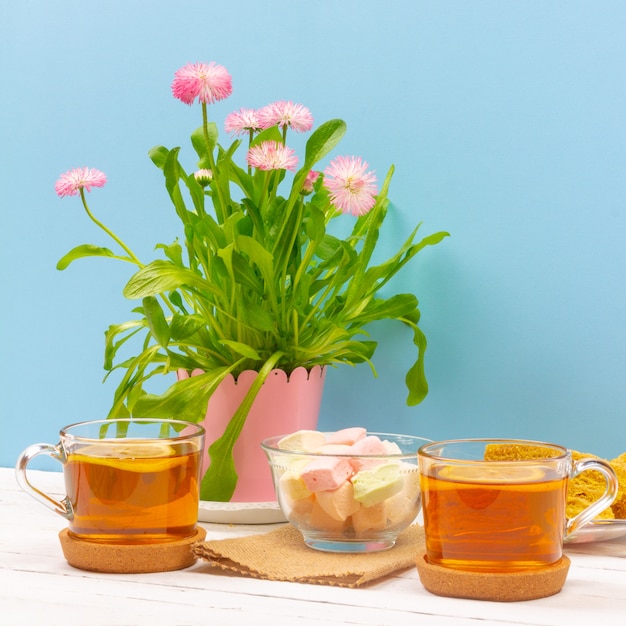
258,281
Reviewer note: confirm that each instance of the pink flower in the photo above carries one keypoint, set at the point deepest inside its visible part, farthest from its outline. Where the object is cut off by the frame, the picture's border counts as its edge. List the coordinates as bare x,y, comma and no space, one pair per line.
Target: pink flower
352,189
207,82
285,114
272,155
204,177
70,183
242,122
309,181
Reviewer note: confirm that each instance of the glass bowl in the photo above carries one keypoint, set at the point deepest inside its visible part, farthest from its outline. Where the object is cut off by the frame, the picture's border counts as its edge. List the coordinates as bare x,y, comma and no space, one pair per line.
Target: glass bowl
346,496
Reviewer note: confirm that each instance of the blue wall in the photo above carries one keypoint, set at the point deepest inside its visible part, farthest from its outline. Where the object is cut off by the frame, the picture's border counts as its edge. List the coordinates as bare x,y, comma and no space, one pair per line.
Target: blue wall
506,122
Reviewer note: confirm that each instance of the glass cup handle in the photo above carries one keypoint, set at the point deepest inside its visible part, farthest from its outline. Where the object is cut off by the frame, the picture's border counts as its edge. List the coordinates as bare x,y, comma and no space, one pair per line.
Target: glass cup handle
63,508
594,509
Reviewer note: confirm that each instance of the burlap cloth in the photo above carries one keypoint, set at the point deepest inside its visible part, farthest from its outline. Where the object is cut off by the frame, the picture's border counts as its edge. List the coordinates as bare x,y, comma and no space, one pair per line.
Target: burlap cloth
282,555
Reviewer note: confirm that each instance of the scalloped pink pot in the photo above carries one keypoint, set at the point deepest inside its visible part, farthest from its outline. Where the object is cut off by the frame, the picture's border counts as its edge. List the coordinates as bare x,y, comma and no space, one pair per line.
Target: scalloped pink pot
283,405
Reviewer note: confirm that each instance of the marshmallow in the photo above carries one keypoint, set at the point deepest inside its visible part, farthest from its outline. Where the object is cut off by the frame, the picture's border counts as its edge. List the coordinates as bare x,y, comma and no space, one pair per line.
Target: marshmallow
391,447
320,520
405,504
340,503
334,448
370,445
372,486
370,518
326,473
302,441
291,484
346,436
300,511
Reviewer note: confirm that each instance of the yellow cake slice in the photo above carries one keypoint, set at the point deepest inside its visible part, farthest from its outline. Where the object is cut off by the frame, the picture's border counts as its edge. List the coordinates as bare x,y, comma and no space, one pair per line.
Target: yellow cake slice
583,489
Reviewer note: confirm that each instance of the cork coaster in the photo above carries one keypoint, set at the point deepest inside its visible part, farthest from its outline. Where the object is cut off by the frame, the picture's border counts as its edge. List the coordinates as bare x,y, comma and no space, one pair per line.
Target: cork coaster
511,587
130,559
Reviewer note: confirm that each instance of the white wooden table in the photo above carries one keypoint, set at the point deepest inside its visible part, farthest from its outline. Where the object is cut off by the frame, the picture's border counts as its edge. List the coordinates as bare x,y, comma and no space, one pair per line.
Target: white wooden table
37,586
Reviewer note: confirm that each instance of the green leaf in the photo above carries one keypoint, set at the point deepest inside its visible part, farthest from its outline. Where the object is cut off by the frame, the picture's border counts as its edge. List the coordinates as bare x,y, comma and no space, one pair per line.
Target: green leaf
196,191
121,411
167,160
269,134
132,381
156,320
83,251
258,318
199,144
242,349
220,480
395,307
314,225
184,400
245,275
158,155
322,141
328,247
208,228
173,252
162,276
177,300
258,255
416,378
241,179
111,346
184,326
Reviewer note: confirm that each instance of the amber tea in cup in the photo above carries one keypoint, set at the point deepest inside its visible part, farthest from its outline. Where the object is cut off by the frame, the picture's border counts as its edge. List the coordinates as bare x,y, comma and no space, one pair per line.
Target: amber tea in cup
495,505
127,481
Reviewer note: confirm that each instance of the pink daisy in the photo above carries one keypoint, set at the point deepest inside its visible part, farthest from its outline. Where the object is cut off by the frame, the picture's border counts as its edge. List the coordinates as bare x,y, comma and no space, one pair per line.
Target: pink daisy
272,155
309,181
70,183
204,177
284,114
242,122
352,189
207,82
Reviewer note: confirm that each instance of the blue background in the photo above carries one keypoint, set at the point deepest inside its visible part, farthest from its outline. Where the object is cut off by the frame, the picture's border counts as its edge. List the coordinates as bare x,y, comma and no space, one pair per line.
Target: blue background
506,121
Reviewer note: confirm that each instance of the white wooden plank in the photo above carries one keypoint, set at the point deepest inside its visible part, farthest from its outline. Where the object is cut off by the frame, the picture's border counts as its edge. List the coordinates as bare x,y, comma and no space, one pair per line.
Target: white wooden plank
37,585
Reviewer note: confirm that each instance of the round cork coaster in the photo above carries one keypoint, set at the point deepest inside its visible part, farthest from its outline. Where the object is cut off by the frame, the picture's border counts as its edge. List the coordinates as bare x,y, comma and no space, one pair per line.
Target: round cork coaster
511,587
129,559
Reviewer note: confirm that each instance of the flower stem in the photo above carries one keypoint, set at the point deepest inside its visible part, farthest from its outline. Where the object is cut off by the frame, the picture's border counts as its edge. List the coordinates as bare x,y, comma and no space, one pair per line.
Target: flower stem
111,234
250,138
221,214
205,130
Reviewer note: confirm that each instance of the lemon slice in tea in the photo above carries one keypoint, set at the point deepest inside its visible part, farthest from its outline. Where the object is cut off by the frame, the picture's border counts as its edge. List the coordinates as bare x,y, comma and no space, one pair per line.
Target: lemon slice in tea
132,457
488,474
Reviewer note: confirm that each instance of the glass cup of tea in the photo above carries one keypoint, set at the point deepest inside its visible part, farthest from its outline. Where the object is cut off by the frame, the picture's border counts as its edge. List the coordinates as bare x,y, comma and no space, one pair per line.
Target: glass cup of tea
128,481
498,505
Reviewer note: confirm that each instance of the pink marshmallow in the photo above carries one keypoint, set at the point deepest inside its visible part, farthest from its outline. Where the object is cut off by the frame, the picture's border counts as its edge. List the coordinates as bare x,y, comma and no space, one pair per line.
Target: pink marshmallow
326,473
347,436
334,449
370,445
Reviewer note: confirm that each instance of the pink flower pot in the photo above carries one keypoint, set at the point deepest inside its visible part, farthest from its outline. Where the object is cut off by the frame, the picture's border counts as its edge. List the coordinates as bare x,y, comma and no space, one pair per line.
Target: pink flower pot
283,405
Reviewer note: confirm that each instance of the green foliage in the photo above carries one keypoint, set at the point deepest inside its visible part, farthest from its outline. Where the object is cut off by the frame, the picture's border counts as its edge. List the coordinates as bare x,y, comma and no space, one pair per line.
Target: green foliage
258,282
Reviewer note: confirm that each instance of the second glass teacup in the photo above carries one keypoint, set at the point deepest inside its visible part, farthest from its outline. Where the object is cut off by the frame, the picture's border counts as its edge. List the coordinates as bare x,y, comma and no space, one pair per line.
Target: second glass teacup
498,505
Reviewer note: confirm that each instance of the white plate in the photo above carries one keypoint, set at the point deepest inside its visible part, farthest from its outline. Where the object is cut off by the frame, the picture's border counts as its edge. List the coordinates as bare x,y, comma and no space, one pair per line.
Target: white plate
599,530
240,512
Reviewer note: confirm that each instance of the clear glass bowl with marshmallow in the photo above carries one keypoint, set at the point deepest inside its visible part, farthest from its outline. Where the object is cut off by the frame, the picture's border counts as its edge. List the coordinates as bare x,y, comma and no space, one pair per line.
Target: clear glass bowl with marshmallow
349,490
